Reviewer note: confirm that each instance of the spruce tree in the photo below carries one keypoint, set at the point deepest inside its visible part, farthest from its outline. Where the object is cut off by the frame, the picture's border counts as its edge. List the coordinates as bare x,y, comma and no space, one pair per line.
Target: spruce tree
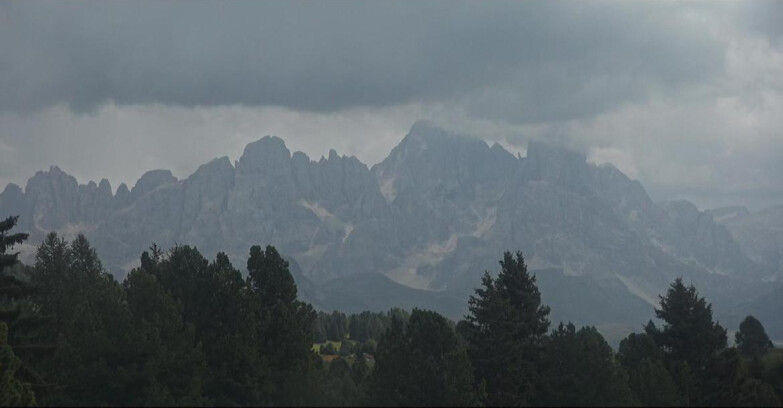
504,329
165,345
689,340
12,391
94,363
647,375
579,369
688,333
285,326
422,364
19,313
12,289
8,241
752,339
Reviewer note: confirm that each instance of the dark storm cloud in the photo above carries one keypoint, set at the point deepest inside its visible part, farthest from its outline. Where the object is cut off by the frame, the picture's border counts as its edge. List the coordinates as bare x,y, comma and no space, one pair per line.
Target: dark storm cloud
685,96
518,61
764,17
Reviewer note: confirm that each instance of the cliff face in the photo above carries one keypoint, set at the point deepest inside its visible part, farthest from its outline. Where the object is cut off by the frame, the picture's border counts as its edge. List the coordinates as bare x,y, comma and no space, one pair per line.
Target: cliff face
758,234
436,213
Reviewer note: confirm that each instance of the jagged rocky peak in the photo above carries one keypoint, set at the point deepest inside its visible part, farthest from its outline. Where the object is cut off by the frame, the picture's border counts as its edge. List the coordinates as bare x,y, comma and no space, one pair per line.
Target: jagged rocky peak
427,136
211,181
52,187
152,180
428,151
52,196
54,176
265,152
104,188
89,189
556,164
11,189
12,202
122,191
221,165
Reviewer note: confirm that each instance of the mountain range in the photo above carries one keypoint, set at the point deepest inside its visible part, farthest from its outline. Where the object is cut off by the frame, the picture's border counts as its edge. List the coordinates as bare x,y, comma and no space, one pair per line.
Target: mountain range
419,228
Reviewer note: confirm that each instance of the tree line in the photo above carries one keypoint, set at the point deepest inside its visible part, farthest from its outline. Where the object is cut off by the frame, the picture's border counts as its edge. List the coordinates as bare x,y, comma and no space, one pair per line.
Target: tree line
185,330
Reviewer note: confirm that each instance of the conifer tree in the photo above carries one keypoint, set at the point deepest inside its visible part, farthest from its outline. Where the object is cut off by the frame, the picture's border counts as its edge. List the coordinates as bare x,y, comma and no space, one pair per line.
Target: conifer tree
579,369
505,329
94,362
752,339
647,375
688,333
285,326
689,339
23,321
12,290
12,391
422,364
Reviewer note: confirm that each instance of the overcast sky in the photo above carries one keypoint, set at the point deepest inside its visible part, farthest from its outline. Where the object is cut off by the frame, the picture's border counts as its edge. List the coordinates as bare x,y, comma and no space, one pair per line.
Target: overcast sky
686,97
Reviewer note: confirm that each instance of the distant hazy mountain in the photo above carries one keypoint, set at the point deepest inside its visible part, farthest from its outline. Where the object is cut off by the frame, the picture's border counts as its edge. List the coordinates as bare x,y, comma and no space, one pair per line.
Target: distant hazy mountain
420,227
760,234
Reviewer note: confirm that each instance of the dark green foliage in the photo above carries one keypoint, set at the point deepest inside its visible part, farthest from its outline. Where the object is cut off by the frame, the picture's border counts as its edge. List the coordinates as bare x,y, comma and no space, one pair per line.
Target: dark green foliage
215,302
688,332
505,330
725,384
756,393
579,369
12,289
228,337
369,347
360,369
422,363
752,339
22,320
774,377
688,339
254,335
367,326
270,278
285,329
328,350
756,367
8,241
338,385
330,326
182,330
648,378
175,364
346,349
95,362
12,391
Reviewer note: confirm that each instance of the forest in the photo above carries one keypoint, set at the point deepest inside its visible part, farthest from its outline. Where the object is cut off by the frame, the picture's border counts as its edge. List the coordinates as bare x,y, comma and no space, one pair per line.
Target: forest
182,329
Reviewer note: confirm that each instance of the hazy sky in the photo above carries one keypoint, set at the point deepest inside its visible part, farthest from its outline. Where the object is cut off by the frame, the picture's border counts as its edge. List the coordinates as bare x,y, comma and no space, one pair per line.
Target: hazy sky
687,97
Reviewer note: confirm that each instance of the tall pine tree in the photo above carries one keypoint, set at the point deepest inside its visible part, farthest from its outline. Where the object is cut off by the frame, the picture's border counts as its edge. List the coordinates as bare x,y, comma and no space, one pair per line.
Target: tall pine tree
647,374
422,364
752,339
688,333
19,313
12,289
284,330
580,370
689,339
505,329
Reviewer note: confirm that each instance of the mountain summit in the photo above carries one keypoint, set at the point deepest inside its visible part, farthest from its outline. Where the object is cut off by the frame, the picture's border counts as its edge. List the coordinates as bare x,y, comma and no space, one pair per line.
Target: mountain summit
431,217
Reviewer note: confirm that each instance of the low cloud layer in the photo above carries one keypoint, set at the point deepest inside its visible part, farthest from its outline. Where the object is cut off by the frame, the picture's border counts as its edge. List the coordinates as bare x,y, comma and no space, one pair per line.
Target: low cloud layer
687,97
